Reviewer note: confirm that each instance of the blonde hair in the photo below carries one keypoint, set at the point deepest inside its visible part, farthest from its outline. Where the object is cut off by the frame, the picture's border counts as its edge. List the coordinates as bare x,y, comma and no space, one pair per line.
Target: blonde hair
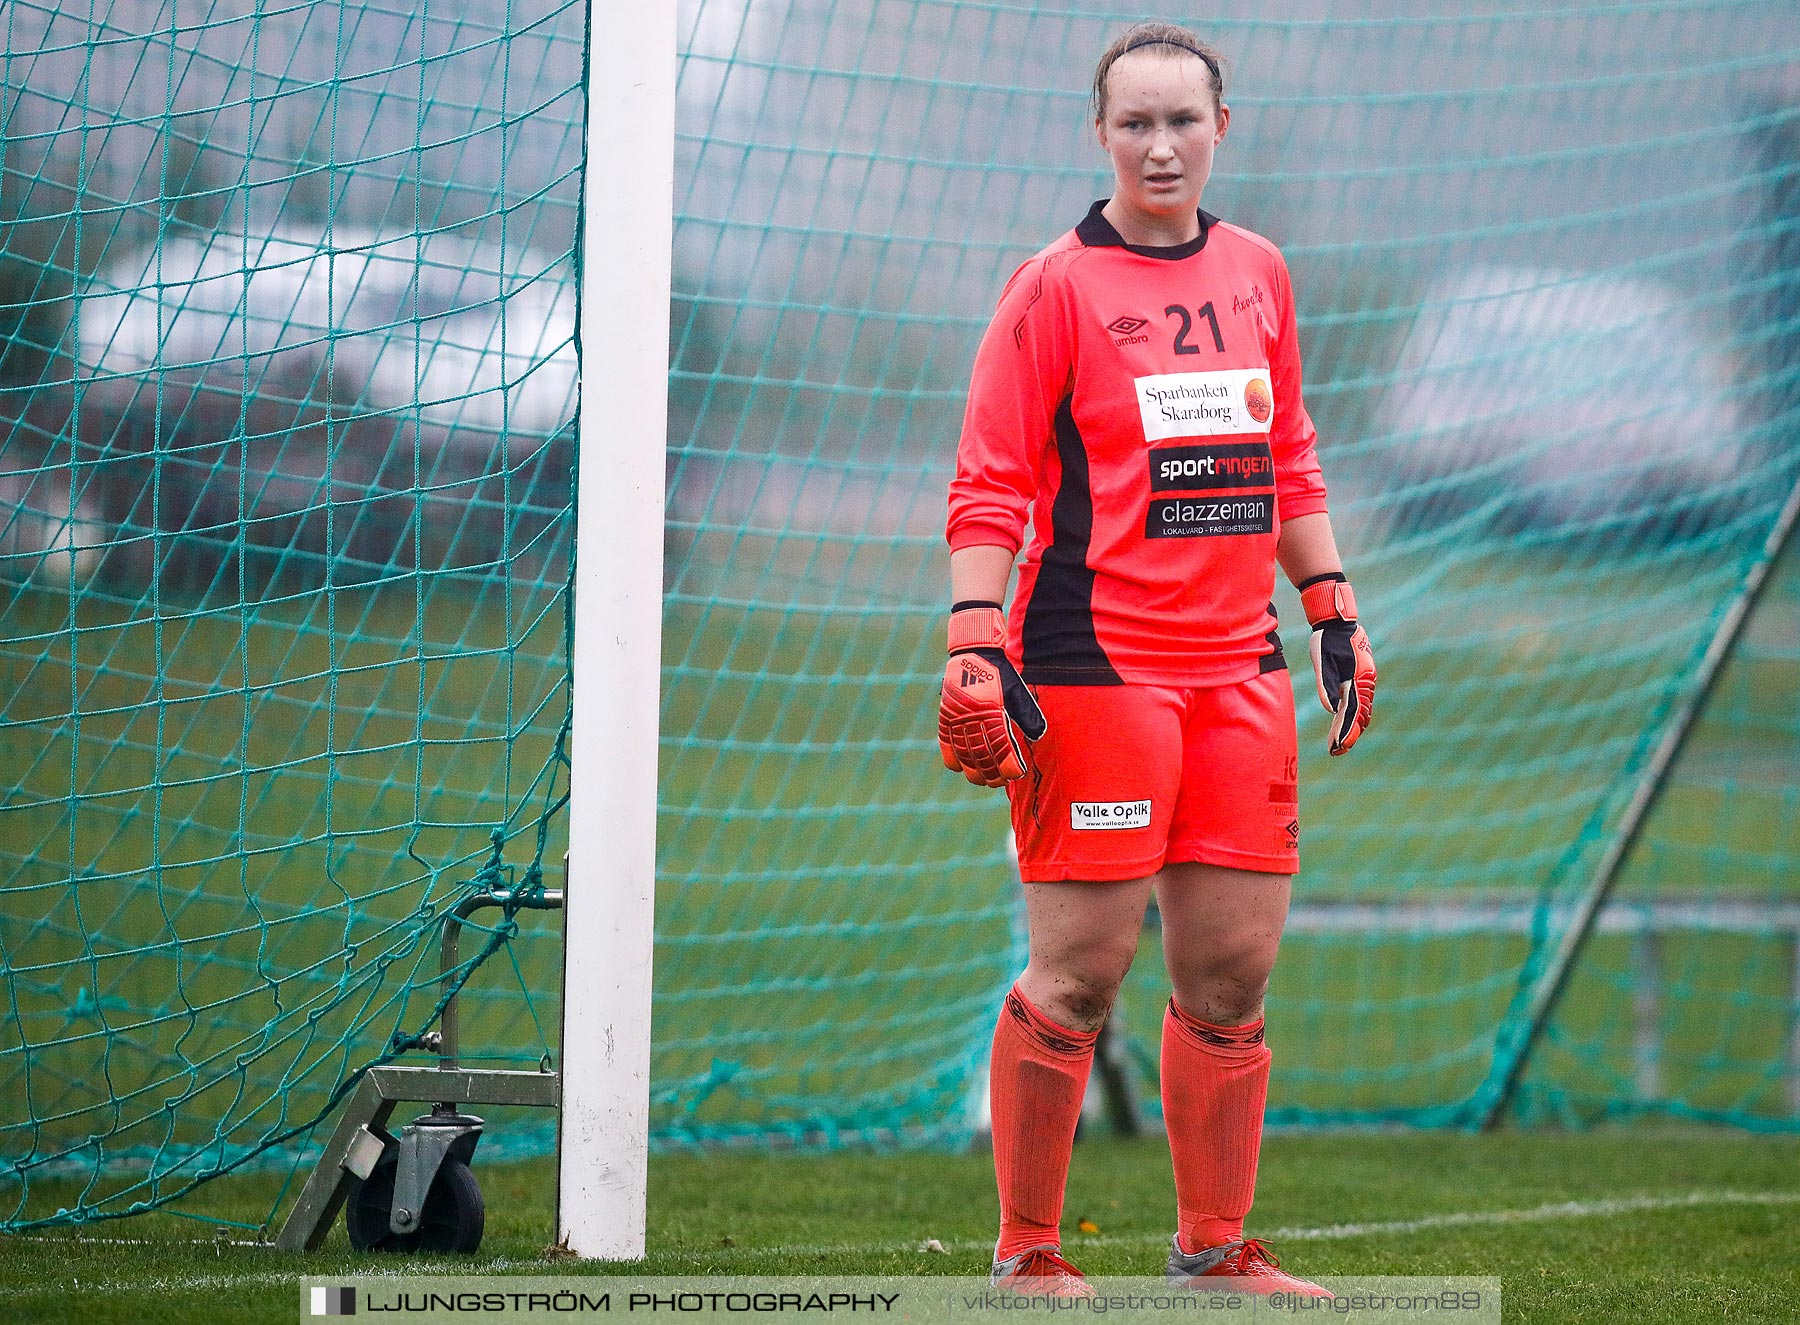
1172,40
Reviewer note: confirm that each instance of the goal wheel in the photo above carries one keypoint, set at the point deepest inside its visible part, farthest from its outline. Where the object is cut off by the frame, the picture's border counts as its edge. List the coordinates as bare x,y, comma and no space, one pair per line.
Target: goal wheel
451,1221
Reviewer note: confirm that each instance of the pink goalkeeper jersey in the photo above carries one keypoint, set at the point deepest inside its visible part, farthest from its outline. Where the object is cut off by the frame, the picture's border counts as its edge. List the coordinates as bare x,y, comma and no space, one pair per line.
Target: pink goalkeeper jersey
1142,407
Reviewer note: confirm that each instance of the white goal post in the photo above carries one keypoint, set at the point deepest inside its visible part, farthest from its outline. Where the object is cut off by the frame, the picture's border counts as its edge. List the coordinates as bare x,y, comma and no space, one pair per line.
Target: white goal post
627,234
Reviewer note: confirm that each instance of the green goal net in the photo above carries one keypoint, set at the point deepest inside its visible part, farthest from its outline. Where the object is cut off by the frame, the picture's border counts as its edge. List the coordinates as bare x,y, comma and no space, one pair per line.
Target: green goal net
1546,269
288,382
288,357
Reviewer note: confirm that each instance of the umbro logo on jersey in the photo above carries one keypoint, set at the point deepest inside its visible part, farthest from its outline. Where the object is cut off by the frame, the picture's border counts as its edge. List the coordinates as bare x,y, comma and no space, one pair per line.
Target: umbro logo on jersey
1128,330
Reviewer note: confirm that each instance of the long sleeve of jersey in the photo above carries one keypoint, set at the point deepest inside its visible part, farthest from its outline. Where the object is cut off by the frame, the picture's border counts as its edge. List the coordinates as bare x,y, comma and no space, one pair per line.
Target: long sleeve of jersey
1022,369
1299,482
1141,409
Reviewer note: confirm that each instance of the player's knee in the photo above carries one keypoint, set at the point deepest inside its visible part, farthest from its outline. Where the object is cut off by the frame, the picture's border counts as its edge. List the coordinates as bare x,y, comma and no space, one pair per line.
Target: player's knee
1244,964
1079,999
1238,999
1227,993
1089,1005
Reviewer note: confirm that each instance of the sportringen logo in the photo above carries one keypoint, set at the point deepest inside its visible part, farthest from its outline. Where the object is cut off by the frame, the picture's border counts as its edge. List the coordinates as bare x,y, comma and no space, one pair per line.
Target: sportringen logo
1211,466
1128,330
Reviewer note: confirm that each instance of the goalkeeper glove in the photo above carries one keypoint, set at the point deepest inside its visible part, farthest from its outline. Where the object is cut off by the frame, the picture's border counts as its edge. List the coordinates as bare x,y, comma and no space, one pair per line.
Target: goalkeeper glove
1343,663
984,705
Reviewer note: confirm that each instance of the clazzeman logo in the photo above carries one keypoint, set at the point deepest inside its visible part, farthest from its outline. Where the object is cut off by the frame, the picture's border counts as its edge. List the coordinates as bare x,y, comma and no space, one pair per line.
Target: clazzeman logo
1128,330
1186,517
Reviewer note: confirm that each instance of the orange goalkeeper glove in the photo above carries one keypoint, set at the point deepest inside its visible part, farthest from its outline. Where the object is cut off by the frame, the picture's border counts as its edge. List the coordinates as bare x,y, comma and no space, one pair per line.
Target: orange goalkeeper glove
1343,663
984,706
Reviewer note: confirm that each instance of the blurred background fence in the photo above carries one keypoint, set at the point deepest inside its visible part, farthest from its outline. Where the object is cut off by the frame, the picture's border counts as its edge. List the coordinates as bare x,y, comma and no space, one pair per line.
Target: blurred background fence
287,375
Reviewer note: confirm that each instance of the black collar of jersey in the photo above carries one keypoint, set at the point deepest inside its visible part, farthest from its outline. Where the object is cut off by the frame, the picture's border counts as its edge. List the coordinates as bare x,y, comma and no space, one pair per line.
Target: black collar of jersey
1097,232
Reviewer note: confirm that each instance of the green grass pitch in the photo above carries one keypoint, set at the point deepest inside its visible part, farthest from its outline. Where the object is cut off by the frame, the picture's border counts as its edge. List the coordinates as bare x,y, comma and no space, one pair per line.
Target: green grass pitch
1645,1225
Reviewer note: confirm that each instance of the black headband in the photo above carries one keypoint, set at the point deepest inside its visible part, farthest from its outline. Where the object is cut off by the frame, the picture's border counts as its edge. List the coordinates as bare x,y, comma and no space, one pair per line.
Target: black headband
1178,44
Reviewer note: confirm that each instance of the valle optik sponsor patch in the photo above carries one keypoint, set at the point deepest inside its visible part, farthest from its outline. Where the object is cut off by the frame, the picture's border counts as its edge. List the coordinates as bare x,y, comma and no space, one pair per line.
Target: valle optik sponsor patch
1108,815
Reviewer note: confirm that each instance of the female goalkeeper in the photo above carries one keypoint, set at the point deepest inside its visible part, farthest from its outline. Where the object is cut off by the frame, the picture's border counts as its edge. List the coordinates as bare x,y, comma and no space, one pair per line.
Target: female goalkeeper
1137,396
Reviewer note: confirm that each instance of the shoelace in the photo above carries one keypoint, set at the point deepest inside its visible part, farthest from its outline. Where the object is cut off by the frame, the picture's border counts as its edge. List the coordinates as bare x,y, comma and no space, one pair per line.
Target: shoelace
1244,1260
1044,1263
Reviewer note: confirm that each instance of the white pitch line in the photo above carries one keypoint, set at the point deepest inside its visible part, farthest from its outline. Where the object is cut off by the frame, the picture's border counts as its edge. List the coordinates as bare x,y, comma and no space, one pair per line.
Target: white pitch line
1619,1205
1601,1209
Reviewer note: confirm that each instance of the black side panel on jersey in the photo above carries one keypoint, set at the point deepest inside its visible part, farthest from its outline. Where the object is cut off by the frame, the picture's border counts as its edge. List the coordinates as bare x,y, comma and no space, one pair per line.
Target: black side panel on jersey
1058,640
1274,660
